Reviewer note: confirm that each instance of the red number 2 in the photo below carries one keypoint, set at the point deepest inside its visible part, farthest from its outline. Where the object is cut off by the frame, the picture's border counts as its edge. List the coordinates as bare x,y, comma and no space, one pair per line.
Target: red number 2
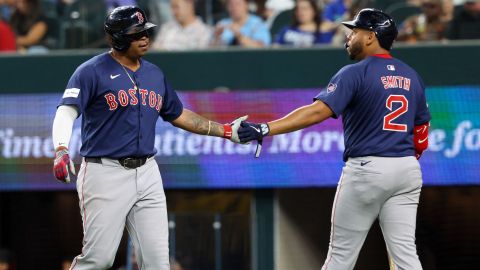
387,119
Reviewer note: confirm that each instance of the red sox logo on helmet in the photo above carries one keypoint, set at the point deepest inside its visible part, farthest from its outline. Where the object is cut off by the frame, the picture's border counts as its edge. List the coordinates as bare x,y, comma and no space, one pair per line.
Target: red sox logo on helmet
139,16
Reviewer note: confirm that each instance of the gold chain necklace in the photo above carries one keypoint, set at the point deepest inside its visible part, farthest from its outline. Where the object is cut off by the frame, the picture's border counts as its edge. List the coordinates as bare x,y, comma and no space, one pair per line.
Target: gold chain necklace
126,72
133,82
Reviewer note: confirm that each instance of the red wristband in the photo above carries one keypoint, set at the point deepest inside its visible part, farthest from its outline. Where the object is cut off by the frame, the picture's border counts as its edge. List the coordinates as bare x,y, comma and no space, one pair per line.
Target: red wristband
227,131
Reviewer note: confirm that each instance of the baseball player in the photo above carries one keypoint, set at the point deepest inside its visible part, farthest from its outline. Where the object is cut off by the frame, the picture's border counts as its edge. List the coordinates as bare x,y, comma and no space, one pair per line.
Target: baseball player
120,97
385,119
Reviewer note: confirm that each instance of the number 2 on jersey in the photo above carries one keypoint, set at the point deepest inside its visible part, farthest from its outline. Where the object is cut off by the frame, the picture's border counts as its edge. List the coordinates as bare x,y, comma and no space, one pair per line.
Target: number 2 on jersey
387,119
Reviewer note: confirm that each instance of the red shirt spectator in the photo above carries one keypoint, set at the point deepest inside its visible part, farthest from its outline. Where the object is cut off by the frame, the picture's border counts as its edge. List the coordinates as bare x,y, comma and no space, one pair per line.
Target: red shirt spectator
7,40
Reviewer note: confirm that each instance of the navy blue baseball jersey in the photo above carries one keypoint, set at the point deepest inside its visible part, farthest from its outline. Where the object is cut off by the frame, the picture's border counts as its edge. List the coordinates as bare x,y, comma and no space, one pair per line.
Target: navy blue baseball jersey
105,96
380,100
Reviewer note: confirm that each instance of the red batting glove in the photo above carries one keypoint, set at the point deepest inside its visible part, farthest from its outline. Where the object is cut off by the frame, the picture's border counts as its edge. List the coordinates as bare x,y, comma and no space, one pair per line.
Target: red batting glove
63,165
230,131
420,138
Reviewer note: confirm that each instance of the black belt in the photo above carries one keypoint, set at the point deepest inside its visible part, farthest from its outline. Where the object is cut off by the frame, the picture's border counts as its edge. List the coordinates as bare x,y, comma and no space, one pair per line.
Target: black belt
127,162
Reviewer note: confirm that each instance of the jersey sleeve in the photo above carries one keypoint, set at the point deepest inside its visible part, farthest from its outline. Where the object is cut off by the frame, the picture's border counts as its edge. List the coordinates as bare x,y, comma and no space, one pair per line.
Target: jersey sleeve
80,88
422,115
340,90
172,107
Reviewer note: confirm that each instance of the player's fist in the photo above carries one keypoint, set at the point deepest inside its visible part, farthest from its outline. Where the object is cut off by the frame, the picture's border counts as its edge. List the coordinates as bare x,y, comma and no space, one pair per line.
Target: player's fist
231,130
420,139
63,165
252,131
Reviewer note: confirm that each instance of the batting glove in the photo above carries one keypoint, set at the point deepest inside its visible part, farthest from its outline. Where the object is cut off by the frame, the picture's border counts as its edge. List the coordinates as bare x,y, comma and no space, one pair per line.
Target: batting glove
231,130
63,165
252,131
420,139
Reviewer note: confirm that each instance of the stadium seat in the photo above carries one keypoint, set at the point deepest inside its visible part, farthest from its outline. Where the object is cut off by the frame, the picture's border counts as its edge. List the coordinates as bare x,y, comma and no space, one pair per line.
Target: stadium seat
281,20
82,25
49,10
53,32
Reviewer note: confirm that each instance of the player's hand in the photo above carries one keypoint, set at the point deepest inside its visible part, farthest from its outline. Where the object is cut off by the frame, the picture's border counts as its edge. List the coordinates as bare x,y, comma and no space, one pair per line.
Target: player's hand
219,31
235,28
252,131
63,165
231,130
420,139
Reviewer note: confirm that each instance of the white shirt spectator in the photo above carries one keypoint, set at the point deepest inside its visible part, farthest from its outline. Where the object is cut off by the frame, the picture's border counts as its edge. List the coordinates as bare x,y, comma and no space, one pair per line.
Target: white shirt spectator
275,7
173,36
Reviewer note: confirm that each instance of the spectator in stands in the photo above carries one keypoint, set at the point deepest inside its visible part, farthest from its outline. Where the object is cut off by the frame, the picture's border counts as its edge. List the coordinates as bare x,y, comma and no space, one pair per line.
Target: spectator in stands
429,25
241,28
336,10
185,31
7,37
307,28
6,9
448,8
353,7
466,22
29,25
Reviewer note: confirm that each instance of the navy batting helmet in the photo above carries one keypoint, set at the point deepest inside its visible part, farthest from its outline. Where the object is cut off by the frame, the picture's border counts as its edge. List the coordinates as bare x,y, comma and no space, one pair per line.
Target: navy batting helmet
124,21
378,22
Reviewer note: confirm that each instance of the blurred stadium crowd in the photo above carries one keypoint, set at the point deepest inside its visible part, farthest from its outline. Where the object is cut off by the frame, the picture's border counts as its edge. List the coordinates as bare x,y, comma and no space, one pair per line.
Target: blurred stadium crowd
39,26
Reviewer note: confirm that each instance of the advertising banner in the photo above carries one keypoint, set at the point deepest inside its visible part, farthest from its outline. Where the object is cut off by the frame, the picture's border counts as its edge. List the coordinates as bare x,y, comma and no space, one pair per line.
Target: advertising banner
308,158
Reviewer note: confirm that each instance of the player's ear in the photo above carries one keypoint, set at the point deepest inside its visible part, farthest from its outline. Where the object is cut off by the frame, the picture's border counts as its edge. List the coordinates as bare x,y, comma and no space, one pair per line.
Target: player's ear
371,37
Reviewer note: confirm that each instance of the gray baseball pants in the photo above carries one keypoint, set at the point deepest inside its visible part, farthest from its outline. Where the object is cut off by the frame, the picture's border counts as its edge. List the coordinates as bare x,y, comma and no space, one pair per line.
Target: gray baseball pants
387,188
110,197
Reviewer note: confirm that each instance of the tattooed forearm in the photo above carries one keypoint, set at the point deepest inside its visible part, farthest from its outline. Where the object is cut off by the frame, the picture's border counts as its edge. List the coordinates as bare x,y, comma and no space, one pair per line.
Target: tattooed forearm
198,124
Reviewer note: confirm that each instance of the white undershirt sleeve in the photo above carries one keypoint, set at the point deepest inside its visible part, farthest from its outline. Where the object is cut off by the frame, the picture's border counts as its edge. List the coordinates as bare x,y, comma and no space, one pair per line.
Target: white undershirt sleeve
63,124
